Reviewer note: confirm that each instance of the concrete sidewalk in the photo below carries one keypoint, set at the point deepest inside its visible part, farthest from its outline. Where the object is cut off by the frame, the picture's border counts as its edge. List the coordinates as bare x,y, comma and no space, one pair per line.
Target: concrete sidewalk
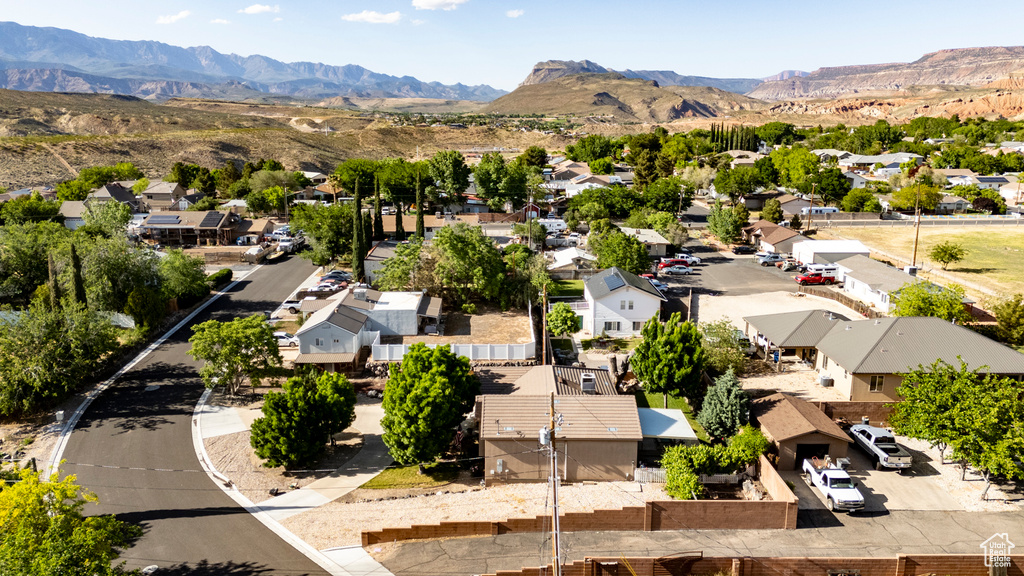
367,463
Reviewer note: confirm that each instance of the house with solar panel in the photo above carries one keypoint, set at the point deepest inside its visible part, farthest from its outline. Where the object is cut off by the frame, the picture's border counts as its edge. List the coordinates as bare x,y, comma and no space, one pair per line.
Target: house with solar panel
618,303
211,228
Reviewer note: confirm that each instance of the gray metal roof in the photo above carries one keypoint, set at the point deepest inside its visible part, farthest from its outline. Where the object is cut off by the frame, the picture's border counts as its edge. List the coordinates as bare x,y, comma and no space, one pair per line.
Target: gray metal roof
607,281
429,307
347,319
895,345
802,329
563,381
879,276
328,358
520,417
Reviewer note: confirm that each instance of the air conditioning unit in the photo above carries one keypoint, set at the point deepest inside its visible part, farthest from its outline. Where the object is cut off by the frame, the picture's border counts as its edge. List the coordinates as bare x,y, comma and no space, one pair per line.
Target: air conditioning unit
588,383
827,381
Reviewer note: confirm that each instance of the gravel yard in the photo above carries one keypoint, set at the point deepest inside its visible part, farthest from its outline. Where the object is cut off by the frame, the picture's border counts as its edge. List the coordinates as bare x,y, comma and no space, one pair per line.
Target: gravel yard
340,524
734,308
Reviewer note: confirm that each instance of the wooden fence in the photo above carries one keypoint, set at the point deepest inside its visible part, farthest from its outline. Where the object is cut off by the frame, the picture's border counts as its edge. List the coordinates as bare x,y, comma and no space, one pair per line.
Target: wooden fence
852,303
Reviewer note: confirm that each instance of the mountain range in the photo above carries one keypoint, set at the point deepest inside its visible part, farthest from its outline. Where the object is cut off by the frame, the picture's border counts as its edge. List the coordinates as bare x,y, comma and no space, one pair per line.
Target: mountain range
552,69
50,59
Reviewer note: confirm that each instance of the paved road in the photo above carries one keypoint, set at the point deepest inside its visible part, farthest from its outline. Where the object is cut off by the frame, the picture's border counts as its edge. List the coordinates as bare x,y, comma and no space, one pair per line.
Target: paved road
145,421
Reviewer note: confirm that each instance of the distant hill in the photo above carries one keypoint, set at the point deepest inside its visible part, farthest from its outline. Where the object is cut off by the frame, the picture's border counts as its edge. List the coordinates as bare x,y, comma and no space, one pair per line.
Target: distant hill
45,58
616,97
553,69
957,67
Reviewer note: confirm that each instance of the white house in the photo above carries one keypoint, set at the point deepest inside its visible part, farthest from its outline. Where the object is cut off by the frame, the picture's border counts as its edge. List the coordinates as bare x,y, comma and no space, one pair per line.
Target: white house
73,212
872,282
569,262
618,303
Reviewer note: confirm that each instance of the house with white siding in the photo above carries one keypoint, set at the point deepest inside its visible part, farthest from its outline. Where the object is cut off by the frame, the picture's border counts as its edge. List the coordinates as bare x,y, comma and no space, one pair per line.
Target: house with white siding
618,303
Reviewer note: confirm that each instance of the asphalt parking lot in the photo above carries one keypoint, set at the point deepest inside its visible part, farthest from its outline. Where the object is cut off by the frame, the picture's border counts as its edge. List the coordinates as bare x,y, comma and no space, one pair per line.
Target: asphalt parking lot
729,274
884,491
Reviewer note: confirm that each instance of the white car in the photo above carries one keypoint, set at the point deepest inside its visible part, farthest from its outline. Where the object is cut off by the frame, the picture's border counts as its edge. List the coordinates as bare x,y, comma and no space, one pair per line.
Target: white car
691,260
286,340
661,286
677,270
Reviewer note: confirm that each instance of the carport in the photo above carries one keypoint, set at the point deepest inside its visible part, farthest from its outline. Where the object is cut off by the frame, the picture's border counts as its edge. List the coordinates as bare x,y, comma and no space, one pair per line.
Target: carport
798,429
797,332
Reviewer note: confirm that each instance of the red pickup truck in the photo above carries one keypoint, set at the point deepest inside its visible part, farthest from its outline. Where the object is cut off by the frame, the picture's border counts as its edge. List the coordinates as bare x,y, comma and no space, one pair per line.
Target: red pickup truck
814,278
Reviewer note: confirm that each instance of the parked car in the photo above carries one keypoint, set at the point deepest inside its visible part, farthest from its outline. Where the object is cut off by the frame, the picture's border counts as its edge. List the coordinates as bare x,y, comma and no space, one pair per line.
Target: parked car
789,265
677,270
292,306
340,274
770,259
286,340
813,278
839,490
666,262
690,260
661,286
743,249
880,445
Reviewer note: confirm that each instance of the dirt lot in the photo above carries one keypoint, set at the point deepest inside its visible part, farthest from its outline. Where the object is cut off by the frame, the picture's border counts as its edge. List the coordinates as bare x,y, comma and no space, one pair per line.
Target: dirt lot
734,308
487,326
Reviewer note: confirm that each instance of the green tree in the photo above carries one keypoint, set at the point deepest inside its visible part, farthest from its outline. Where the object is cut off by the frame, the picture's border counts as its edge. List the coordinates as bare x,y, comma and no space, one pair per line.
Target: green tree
467,265
424,400
47,353
108,218
243,348
724,351
927,299
499,182
46,532
623,251
298,423
183,276
113,268
725,407
353,171
534,156
723,224
737,182
856,199
905,198
30,208
328,229
146,307
741,214
205,183
140,186
23,250
359,240
1009,313
77,280
450,174
668,195
398,271
795,222
535,232
603,166
947,252
772,211
590,148
419,209
378,215
670,359
645,168
795,165
205,204
562,320
776,133
73,190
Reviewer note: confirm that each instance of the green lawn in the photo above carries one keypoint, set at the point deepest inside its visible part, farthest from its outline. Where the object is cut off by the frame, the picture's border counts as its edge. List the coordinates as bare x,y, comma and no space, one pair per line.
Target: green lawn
993,252
620,344
437,474
646,399
566,288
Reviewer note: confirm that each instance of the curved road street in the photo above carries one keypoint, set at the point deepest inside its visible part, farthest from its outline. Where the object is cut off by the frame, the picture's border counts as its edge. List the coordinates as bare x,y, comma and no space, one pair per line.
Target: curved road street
141,430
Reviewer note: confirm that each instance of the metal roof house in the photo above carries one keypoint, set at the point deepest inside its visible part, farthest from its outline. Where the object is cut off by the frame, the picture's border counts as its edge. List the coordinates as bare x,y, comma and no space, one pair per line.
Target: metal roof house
597,440
618,303
876,283
865,359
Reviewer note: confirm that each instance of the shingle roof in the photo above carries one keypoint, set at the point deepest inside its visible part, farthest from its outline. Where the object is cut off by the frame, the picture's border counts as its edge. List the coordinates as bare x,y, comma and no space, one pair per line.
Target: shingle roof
114,192
341,316
645,235
784,417
520,417
607,281
804,328
779,234
895,345
72,209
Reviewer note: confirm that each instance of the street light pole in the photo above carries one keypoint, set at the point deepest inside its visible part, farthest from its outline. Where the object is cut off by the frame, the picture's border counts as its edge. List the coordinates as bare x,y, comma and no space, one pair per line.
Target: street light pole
917,222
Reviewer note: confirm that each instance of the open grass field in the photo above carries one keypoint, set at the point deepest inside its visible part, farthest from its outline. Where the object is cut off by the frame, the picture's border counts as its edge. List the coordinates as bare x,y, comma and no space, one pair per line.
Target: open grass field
995,254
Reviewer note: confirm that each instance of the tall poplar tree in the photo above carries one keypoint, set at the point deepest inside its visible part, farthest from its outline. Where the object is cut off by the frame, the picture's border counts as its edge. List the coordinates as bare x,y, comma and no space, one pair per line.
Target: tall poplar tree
378,215
419,207
357,235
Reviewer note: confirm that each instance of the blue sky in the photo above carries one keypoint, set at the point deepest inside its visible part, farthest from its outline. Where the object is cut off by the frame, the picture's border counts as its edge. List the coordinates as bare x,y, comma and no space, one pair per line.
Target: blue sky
496,42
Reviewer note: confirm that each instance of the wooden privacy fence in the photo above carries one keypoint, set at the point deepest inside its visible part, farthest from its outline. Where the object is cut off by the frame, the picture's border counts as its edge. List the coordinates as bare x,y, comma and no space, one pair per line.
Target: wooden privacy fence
856,305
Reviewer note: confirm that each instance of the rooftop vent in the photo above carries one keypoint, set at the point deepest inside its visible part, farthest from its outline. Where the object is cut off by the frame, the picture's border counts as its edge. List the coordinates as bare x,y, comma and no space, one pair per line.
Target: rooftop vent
588,383
360,294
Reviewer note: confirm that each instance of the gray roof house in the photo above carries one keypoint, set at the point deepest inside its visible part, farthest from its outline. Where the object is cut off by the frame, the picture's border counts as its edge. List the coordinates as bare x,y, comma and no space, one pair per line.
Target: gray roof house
116,192
161,195
875,283
865,359
618,303
73,212
798,332
332,337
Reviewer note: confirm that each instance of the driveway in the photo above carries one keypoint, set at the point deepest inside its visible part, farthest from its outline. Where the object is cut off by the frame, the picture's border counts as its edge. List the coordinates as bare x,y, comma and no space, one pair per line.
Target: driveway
729,274
133,448
886,490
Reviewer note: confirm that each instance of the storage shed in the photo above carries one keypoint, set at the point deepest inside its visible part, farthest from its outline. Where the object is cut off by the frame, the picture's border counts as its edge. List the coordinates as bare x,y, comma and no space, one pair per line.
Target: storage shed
827,251
798,429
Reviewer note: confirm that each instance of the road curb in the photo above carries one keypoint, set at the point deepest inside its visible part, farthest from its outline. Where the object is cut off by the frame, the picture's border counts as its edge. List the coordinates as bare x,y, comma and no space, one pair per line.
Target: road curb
53,465
228,487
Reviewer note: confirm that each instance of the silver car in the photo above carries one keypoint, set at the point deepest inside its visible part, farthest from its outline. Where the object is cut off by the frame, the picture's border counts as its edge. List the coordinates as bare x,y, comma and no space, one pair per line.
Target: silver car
677,270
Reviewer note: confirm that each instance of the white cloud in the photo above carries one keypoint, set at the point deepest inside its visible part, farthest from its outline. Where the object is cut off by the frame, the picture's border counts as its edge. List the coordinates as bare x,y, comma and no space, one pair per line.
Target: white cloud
259,9
437,4
372,17
220,21
172,18
514,13
418,22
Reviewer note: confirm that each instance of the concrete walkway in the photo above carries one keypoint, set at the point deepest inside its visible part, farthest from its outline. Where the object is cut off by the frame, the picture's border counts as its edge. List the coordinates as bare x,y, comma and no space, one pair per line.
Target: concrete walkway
367,463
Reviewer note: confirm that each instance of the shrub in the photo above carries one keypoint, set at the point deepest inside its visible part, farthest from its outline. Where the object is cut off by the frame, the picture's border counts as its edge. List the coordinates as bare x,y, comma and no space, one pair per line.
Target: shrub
469,308
219,278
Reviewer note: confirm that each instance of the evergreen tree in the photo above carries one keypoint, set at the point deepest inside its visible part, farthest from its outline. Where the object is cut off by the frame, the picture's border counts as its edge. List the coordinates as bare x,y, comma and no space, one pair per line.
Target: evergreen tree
77,282
54,287
357,236
419,207
725,407
399,226
378,216
670,359
795,223
772,211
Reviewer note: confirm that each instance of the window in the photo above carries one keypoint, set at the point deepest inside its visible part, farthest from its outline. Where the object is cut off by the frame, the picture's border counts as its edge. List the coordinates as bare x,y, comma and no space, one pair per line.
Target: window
876,384
638,326
824,362
630,304
318,342
611,326
622,304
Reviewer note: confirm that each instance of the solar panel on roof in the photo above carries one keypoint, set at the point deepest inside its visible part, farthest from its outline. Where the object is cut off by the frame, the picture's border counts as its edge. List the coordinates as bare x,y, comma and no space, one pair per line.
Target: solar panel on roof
614,282
166,219
211,220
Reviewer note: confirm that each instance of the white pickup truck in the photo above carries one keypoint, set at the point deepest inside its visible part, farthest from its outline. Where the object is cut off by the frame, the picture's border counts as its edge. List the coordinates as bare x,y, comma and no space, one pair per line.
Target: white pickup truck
839,490
881,447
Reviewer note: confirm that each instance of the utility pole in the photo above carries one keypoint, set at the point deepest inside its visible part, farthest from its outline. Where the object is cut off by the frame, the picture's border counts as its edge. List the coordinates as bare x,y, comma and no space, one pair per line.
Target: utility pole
917,222
544,326
810,210
556,562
